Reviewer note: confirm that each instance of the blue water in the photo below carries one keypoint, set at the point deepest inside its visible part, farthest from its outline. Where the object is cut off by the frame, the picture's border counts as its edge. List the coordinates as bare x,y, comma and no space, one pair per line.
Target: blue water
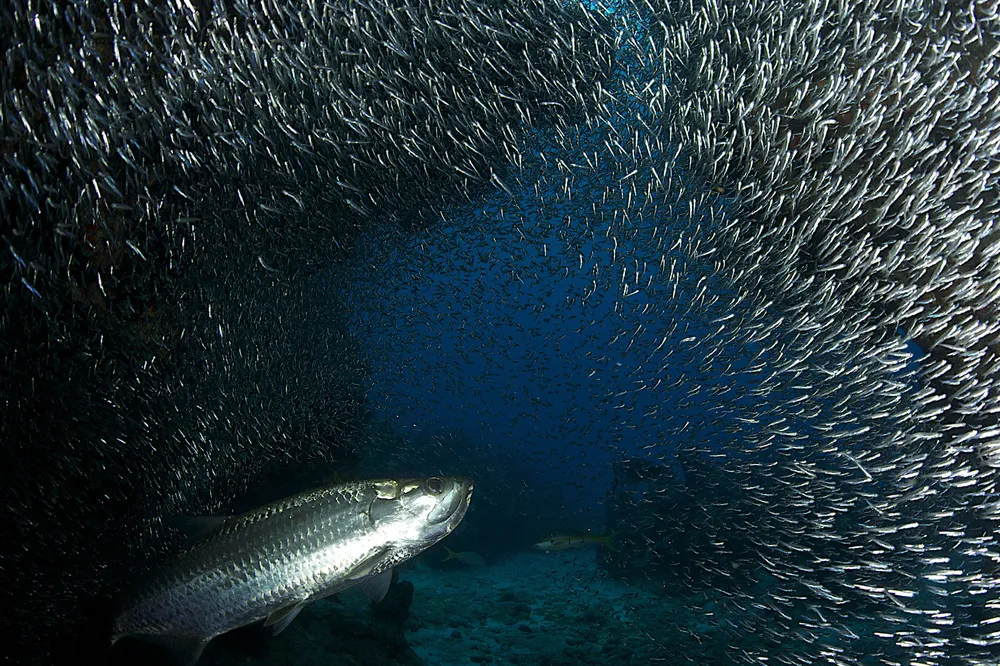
513,343
533,338
564,327
551,333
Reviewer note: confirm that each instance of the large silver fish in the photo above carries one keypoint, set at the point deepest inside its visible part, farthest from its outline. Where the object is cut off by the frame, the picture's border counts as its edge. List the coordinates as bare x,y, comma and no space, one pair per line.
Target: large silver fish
270,562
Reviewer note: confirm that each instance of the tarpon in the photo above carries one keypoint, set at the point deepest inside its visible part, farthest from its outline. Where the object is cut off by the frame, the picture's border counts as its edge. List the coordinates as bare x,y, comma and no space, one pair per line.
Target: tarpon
268,563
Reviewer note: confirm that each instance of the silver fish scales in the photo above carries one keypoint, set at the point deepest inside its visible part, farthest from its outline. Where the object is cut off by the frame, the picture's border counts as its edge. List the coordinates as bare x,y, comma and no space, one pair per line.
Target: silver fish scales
270,562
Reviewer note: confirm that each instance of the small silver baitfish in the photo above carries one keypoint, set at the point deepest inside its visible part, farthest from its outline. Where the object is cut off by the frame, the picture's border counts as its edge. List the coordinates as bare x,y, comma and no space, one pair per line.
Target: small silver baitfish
270,562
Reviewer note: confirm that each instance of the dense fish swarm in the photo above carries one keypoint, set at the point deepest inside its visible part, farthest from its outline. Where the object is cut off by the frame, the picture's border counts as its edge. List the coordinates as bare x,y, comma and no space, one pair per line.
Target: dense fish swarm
774,195
173,173
860,141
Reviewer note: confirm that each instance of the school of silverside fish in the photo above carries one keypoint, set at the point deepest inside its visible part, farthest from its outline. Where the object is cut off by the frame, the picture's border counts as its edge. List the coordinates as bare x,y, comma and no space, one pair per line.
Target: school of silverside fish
817,179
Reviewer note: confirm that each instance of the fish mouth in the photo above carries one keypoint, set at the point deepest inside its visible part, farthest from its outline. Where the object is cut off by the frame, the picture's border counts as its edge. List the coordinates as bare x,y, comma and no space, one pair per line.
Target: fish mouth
451,509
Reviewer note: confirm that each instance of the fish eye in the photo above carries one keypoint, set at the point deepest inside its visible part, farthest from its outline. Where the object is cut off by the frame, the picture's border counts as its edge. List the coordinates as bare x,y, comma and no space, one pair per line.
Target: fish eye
434,485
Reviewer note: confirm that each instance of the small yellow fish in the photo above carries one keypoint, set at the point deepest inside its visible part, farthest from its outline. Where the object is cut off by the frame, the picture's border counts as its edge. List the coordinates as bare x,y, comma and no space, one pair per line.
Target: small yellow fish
467,558
571,541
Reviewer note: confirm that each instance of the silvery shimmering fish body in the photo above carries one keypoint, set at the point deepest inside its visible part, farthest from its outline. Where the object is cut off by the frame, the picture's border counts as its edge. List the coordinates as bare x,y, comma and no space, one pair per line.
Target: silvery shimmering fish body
270,562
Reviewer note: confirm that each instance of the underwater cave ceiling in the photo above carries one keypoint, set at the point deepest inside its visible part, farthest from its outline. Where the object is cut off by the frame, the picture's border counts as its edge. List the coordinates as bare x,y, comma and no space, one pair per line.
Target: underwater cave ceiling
818,181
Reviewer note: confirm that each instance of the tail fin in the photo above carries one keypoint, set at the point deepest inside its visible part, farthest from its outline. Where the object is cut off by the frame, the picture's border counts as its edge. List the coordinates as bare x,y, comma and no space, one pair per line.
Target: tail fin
451,554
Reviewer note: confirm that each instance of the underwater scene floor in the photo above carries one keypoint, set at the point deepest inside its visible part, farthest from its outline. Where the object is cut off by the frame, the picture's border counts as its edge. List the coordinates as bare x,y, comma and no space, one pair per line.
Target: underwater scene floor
552,609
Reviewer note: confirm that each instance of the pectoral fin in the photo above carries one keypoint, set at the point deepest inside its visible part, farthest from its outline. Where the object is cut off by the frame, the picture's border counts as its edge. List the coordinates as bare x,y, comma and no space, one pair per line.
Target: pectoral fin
375,587
364,568
282,617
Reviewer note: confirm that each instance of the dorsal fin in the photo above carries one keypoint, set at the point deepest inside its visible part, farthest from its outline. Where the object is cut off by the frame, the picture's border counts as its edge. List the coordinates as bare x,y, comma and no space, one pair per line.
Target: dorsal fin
195,527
